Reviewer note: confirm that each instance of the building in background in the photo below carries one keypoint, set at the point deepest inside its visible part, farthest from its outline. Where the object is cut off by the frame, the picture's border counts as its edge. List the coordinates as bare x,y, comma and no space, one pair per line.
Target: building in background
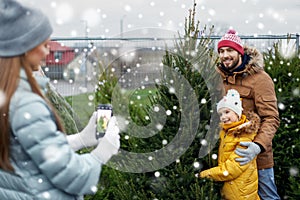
57,60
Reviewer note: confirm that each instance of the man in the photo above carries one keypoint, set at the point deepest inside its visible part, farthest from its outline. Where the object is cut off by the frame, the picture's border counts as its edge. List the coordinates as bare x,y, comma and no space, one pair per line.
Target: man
242,68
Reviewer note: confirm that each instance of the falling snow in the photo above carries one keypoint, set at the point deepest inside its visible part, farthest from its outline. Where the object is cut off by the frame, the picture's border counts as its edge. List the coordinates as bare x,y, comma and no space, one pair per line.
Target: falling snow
196,165
27,115
100,20
214,156
164,142
157,174
225,173
106,18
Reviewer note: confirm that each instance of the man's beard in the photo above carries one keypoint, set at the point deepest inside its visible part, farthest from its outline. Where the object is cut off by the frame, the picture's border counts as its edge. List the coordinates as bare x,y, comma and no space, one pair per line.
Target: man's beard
232,66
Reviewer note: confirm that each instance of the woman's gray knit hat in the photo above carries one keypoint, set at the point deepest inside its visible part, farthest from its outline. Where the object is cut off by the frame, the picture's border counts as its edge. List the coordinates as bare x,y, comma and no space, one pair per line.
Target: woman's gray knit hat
21,28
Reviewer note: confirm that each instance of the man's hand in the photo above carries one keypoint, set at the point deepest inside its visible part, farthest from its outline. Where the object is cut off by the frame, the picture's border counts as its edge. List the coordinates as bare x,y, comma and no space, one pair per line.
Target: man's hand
247,154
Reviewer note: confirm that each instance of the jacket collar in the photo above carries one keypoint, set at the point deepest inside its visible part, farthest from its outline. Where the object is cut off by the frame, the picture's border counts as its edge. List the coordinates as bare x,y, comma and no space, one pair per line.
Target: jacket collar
234,125
240,68
249,123
42,81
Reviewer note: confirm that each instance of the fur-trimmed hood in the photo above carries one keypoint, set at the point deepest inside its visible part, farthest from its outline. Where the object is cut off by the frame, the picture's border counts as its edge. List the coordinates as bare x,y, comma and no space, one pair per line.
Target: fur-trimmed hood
249,124
255,63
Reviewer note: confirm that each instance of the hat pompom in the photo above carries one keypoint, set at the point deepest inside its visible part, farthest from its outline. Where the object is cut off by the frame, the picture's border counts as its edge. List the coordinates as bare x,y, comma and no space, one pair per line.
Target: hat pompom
231,31
233,93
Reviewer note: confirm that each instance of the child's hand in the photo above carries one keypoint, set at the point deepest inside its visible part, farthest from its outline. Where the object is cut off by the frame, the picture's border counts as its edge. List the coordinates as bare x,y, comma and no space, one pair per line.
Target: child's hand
204,174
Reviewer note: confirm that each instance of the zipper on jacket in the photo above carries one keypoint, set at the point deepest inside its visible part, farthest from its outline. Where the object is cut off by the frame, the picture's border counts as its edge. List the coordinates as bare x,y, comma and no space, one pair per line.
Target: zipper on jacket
226,79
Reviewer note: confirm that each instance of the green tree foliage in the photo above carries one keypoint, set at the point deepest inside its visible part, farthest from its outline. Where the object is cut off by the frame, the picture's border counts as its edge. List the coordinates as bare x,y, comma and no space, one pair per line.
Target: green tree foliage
286,143
176,181
189,71
106,85
187,91
67,114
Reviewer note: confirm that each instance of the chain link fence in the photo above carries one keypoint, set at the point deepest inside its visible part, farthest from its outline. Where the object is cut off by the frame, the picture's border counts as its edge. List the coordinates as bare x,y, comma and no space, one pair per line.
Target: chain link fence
74,64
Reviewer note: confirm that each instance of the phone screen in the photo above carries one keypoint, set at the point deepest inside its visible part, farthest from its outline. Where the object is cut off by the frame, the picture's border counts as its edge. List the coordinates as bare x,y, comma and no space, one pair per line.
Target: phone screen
104,113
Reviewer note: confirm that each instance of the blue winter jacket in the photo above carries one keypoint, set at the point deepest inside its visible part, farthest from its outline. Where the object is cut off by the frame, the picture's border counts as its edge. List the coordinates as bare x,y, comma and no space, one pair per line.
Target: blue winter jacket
45,167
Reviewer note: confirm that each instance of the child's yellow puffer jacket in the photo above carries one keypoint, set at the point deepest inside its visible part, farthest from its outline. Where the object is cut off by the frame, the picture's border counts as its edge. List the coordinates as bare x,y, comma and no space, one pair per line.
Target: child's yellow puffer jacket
240,182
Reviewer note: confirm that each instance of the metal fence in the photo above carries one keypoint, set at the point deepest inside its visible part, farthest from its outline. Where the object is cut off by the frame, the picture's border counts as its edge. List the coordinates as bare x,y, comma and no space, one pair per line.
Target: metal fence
136,61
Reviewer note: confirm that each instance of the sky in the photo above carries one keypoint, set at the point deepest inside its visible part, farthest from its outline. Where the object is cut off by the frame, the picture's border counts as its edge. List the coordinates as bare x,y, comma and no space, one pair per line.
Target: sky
113,18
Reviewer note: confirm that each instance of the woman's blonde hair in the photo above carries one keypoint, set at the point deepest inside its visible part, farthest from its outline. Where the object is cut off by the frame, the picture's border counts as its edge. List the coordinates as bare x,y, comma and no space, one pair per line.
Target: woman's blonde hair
9,79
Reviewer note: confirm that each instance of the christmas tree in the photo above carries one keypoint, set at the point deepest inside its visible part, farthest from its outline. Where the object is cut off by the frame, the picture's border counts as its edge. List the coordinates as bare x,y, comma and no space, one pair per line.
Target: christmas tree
285,72
170,139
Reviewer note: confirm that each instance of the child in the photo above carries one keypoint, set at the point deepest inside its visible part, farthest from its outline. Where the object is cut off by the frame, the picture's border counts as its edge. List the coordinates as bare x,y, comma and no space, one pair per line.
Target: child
240,182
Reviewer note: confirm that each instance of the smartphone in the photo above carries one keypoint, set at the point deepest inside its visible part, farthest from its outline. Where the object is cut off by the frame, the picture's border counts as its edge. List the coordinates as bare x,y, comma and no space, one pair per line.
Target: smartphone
104,113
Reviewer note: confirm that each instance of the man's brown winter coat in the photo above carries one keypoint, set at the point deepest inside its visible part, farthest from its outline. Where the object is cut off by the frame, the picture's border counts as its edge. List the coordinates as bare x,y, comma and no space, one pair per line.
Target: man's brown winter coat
256,89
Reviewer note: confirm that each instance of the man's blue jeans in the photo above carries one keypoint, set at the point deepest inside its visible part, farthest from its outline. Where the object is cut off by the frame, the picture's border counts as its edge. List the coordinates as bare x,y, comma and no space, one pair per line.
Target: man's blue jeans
266,185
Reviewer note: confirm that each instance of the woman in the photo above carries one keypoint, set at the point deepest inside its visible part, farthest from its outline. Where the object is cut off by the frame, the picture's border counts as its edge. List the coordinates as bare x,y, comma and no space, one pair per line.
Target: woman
38,161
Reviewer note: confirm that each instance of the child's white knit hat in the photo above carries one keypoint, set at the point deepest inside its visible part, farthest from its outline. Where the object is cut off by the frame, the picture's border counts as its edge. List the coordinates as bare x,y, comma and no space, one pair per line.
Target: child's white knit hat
231,100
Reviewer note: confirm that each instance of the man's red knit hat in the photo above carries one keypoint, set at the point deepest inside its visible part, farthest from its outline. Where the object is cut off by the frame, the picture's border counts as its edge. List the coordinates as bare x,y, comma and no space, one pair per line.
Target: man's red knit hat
230,39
